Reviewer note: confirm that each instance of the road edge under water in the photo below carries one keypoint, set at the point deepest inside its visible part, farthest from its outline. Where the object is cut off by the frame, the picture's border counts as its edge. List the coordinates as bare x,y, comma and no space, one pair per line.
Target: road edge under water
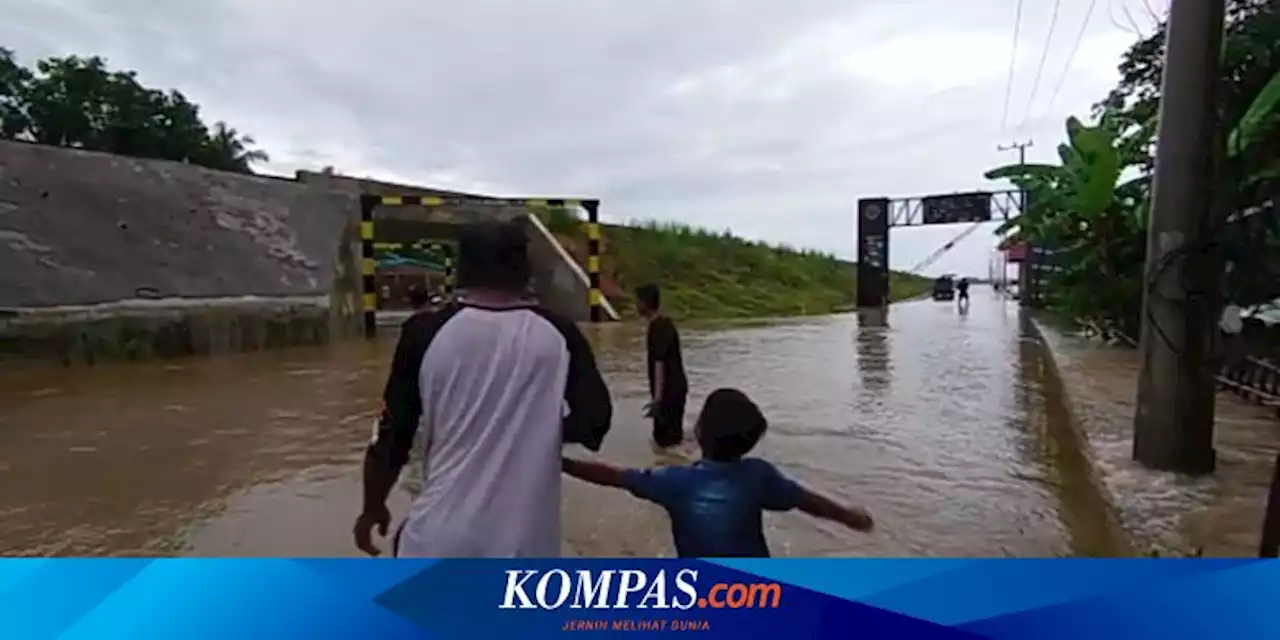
1119,536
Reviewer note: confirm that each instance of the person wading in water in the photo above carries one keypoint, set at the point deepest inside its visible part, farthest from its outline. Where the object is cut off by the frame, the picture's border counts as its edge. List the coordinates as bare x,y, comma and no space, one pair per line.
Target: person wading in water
486,380
668,387
420,299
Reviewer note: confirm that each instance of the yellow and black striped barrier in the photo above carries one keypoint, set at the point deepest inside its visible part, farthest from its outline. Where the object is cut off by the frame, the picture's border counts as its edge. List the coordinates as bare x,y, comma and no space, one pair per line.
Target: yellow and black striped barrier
368,264
593,260
368,267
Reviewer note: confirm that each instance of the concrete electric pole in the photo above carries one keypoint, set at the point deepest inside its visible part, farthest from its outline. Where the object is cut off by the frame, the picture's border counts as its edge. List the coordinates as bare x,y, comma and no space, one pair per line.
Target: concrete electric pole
1026,290
1173,425
1020,147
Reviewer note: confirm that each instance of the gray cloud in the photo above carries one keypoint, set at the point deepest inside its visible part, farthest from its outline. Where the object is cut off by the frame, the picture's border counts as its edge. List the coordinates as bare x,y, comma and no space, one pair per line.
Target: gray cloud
765,117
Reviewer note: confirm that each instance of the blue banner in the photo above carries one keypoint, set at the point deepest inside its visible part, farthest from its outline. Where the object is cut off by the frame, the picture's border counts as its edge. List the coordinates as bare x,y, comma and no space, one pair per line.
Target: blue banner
476,599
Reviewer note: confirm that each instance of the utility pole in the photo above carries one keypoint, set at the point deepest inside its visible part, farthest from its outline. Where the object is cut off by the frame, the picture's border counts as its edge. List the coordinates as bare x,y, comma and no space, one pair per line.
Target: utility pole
1026,288
1020,147
1173,424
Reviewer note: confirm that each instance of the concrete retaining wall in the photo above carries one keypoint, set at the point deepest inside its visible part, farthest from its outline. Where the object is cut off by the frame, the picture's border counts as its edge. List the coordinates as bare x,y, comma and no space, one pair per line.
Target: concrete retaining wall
104,256
82,228
212,256
165,328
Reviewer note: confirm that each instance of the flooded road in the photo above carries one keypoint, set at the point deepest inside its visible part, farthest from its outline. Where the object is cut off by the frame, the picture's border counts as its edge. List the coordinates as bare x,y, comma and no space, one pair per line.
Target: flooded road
946,426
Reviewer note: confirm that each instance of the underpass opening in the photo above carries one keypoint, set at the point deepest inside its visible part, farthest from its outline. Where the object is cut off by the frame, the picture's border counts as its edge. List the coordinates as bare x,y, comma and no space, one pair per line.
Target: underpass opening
876,216
404,260
370,223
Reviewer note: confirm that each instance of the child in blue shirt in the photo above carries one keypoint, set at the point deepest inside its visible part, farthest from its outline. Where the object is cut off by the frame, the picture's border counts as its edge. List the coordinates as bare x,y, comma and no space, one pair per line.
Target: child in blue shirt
716,504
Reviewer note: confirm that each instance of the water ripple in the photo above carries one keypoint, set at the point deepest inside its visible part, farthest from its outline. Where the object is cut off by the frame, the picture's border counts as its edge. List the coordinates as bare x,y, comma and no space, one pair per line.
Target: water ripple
939,423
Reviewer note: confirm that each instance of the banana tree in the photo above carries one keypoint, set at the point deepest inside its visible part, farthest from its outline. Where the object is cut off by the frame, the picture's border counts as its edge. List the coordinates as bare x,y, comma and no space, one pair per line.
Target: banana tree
1079,208
1082,190
1250,189
1106,232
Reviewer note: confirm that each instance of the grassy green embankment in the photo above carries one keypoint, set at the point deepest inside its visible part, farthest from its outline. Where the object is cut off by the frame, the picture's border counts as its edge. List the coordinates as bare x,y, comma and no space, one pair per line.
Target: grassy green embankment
705,274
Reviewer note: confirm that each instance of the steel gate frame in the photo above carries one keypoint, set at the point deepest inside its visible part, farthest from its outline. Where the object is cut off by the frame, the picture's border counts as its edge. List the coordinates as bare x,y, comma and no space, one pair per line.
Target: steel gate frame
368,265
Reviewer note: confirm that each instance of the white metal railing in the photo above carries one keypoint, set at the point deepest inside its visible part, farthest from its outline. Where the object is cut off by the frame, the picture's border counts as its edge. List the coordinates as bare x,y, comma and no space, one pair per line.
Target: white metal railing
569,260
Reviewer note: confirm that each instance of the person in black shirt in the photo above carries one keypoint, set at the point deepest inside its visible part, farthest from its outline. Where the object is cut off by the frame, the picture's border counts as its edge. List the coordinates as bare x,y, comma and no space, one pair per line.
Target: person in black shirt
963,288
668,386
419,298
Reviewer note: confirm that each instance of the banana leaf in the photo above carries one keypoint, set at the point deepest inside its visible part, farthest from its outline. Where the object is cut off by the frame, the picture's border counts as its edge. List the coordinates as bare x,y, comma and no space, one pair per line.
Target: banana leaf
1073,125
1068,155
1253,124
1133,148
1266,174
1011,171
1008,227
1100,170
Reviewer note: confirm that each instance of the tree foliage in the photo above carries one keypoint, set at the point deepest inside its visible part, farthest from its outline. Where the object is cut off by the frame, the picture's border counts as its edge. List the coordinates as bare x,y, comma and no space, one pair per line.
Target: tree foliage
80,102
1098,223
1094,222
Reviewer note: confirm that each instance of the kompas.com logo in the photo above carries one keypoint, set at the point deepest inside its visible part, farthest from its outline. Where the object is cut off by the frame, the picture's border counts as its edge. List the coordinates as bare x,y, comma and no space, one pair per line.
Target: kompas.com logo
631,589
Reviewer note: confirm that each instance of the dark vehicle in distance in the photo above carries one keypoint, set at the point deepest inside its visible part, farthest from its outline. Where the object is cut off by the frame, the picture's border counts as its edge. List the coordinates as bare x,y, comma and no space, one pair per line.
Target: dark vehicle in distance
944,288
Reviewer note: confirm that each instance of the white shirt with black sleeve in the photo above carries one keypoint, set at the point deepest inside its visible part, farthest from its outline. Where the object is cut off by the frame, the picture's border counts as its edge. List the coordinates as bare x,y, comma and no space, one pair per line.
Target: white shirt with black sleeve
488,389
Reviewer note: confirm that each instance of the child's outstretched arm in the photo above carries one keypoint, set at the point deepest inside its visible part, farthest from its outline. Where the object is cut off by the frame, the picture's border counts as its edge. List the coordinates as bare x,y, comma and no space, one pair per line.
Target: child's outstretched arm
605,475
823,507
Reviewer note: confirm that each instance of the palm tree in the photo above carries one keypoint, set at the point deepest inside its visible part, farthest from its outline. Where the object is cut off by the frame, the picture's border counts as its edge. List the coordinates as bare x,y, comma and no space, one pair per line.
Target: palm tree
233,150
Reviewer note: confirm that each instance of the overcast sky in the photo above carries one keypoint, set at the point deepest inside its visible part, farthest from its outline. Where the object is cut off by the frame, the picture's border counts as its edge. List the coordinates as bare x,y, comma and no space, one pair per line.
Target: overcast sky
770,118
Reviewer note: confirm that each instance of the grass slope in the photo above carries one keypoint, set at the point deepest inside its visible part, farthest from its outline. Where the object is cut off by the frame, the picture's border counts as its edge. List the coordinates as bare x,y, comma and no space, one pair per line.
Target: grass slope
705,274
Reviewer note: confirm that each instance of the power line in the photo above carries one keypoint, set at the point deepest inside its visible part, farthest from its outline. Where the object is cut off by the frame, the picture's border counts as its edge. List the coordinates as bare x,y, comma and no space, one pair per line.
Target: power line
1013,64
1075,48
1044,57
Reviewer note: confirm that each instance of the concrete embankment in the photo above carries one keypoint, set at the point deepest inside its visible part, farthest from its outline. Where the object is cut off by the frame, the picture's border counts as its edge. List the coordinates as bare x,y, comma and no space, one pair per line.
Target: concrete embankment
105,257
1164,513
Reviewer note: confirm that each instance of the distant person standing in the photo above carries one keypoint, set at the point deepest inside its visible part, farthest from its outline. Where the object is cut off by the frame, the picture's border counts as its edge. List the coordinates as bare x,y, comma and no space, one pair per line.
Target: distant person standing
422,301
419,298
668,387
962,288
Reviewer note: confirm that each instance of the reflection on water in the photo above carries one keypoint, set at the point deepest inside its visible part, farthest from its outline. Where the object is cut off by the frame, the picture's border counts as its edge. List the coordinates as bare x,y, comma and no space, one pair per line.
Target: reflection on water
941,424
1041,398
875,367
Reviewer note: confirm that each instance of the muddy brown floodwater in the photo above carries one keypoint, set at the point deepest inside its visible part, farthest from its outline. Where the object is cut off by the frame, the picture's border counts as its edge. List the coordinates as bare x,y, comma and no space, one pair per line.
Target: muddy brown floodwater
946,426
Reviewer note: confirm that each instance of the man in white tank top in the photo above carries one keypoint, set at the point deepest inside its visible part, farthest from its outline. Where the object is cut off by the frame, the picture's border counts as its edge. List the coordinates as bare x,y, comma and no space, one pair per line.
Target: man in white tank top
486,381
